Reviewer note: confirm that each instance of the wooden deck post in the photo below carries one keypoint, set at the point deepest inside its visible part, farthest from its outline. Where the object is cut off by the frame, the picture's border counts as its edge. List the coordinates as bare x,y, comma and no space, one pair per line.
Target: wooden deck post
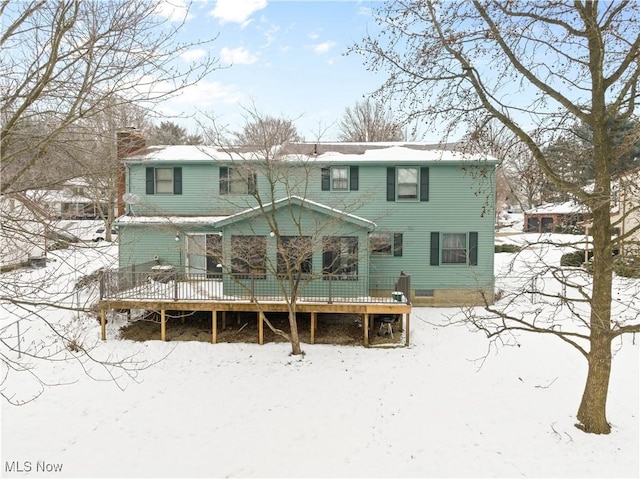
214,327
314,322
260,329
103,325
224,320
365,327
163,325
406,327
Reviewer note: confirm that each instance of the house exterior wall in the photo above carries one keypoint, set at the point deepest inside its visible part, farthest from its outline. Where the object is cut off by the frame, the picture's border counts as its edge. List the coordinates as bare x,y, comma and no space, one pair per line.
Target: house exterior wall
22,234
461,200
626,218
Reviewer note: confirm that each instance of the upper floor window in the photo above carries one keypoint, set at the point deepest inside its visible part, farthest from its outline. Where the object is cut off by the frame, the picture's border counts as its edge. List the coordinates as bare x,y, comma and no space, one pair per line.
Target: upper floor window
340,178
237,181
454,248
164,181
407,183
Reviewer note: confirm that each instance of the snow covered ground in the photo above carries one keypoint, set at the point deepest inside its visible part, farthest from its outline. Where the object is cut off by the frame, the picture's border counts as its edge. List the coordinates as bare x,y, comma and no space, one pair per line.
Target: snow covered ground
450,405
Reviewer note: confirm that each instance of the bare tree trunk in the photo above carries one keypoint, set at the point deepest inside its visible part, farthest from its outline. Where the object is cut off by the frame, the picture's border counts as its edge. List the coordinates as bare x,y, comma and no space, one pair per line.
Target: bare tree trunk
593,406
295,339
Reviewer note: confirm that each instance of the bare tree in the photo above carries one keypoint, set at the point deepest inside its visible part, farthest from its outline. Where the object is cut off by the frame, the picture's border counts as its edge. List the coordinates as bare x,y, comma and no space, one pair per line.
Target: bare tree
69,60
170,133
67,68
369,120
456,63
263,130
275,181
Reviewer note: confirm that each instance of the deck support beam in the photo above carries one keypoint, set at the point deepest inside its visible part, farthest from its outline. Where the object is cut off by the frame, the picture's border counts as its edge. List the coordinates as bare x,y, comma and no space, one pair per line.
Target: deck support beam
314,323
260,328
214,327
163,325
365,327
406,328
103,324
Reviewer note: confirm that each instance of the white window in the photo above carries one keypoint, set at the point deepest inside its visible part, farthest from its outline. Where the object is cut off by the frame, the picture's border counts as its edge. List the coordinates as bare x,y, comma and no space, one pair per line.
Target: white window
164,180
340,178
407,183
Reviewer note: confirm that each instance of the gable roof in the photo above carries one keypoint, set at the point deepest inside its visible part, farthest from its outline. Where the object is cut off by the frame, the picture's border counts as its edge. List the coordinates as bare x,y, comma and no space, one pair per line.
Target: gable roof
346,153
303,203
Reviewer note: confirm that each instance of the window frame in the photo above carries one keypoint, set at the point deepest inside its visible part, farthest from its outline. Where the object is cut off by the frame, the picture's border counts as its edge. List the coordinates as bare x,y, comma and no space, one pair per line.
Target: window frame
351,181
422,184
249,269
166,182
341,264
454,254
151,180
334,179
416,184
234,176
438,249
305,263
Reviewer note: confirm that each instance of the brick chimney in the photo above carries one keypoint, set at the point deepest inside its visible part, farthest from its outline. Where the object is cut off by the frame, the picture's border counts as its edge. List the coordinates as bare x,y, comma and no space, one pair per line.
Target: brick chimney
129,141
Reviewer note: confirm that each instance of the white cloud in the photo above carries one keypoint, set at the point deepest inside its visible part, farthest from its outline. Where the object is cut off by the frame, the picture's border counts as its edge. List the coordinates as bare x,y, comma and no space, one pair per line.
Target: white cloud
236,11
174,10
324,47
314,36
193,55
237,56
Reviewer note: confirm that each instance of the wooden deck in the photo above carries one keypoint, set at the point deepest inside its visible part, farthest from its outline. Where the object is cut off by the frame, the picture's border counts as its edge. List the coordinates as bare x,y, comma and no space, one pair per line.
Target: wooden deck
219,308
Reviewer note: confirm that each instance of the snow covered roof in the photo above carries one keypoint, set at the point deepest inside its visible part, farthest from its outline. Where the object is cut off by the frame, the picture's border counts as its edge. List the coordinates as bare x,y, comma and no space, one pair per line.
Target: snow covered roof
221,221
569,207
351,153
134,220
56,196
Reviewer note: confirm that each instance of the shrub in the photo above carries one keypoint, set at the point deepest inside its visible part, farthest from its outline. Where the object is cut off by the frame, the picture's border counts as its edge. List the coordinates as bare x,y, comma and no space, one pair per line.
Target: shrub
575,258
507,248
628,266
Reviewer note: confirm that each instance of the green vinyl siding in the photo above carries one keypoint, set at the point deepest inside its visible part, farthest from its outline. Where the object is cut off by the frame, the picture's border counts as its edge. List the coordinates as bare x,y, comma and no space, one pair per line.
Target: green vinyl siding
451,200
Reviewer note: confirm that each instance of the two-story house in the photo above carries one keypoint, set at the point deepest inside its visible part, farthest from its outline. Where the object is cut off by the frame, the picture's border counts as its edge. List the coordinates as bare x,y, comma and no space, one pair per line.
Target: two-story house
350,219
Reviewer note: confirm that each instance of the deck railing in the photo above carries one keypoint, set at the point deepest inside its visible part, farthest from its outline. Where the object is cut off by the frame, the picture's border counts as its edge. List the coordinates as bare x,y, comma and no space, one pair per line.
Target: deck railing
151,282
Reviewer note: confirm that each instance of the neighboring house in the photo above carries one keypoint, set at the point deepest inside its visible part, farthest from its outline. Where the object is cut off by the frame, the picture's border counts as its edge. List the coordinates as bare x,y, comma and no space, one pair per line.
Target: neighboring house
625,211
554,217
383,208
72,201
23,227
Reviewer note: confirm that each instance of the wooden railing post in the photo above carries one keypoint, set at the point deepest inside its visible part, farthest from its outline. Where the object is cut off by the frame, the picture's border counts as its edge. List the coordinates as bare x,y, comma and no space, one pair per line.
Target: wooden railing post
175,286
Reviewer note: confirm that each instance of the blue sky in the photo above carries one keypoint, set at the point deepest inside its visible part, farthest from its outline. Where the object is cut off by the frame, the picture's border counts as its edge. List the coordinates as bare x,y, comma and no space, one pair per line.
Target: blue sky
287,58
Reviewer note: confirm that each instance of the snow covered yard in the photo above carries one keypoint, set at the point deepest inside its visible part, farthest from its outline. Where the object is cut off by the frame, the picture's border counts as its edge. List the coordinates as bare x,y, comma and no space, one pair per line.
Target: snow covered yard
447,406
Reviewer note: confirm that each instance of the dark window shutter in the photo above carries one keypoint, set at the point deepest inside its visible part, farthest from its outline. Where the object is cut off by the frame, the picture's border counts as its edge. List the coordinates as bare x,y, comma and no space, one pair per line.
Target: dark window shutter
326,179
354,174
151,181
473,248
391,183
177,181
224,180
253,181
397,244
424,183
435,249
